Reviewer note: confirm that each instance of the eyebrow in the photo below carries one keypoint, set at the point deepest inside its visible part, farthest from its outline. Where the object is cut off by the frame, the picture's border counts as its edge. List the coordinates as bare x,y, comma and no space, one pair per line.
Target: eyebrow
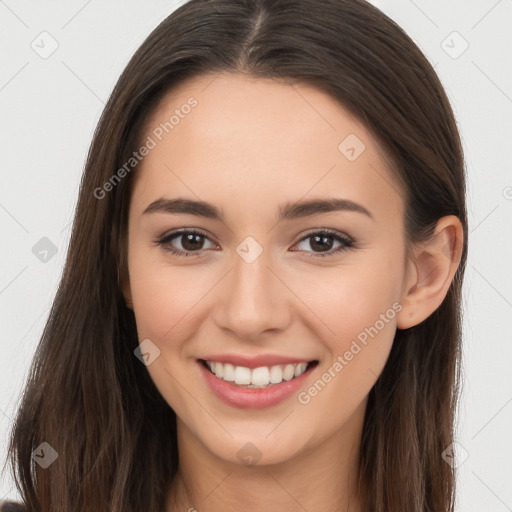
287,211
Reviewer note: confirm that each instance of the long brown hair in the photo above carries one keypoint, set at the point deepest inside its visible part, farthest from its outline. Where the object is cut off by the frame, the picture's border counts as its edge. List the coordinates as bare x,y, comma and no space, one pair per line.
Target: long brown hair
92,400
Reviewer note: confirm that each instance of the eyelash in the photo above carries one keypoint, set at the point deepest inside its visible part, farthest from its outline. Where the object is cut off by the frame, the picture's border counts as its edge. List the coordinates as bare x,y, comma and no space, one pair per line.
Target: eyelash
347,242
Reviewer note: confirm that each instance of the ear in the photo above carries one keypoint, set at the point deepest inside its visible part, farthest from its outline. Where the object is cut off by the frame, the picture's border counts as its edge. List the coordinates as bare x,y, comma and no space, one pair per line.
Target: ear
431,268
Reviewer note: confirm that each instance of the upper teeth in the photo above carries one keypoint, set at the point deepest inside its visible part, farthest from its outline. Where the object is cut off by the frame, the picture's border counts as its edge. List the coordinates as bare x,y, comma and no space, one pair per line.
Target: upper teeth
257,377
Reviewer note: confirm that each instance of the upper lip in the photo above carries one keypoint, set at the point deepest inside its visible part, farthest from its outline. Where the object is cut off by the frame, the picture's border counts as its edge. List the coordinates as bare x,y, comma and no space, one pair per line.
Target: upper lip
255,361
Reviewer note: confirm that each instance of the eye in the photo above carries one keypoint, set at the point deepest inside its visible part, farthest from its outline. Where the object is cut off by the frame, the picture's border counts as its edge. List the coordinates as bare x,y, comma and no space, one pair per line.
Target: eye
192,241
322,242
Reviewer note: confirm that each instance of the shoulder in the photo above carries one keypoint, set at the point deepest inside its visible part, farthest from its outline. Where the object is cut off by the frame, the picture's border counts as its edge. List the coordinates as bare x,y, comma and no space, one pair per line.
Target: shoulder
12,506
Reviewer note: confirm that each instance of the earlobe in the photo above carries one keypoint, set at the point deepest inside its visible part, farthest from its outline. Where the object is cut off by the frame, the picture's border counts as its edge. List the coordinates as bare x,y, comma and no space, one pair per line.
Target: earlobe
430,272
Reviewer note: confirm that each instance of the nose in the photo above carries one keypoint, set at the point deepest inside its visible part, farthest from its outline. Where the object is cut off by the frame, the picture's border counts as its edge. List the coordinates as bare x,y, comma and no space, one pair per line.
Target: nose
253,299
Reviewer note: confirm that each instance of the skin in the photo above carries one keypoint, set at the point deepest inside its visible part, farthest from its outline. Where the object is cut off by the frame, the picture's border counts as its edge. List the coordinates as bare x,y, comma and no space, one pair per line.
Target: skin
250,146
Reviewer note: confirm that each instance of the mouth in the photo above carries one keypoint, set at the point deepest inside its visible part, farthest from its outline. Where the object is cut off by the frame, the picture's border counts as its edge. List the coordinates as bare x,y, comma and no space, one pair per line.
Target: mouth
261,377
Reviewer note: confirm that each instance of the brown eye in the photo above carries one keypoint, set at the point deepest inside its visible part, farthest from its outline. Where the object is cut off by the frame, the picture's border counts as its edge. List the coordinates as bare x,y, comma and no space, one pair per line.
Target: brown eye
191,241
322,242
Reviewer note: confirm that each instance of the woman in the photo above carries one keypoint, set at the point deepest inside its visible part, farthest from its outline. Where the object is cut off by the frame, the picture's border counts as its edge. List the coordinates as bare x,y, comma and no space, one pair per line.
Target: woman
261,303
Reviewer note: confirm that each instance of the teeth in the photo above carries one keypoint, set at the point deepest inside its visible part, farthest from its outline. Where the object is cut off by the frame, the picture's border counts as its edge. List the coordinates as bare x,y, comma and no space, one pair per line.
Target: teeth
219,369
288,372
300,369
228,372
257,377
276,374
242,375
260,376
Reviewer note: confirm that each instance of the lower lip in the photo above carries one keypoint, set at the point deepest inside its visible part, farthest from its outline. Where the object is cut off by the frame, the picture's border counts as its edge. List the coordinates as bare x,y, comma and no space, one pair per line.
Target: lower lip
253,398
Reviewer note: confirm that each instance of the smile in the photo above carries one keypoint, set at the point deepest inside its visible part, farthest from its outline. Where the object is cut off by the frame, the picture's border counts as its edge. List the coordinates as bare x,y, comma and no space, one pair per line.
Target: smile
261,377
255,385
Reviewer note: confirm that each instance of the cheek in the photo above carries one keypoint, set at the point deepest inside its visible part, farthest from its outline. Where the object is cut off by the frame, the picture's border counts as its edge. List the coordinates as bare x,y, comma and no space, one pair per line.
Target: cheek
163,302
163,297
360,307
362,315
349,299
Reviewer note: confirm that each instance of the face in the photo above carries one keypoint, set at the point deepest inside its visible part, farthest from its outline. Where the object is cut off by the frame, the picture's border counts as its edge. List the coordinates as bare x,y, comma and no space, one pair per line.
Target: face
292,297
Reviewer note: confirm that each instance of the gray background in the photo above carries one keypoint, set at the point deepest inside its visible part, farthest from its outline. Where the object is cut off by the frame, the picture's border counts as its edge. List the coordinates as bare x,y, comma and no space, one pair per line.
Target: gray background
50,106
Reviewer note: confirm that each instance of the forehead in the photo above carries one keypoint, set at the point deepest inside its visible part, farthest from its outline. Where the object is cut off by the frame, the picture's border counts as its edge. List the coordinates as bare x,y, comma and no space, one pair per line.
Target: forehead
245,142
